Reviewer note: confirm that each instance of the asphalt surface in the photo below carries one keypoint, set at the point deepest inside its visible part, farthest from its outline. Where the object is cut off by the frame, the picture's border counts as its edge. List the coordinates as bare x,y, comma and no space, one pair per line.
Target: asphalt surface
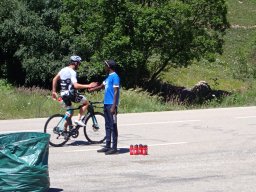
210,150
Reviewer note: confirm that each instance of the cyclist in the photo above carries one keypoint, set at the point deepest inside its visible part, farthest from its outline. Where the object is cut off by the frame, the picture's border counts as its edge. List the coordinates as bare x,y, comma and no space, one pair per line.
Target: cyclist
69,86
111,100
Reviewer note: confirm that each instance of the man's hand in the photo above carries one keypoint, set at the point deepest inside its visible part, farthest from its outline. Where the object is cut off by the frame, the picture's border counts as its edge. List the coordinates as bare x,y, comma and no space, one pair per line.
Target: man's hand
96,86
54,95
93,84
113,109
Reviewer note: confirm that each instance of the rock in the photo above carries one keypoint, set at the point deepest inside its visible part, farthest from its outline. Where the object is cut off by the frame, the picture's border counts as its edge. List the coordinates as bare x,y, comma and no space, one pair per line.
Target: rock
202,90
198,94
187,96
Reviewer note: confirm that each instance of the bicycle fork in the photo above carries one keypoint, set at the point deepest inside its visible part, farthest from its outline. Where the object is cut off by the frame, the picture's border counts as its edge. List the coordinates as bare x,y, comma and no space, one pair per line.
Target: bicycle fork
95,124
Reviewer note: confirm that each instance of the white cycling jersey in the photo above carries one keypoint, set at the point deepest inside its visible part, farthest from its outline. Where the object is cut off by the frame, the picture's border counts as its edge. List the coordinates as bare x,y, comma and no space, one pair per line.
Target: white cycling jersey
68,78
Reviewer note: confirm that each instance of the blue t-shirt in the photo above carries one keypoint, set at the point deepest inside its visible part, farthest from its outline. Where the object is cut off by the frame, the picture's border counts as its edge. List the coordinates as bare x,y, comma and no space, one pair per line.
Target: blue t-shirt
110,83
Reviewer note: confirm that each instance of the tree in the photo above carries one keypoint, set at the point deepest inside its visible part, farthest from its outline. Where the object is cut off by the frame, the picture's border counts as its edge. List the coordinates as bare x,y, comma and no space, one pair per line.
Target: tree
9,66
146,37
29,41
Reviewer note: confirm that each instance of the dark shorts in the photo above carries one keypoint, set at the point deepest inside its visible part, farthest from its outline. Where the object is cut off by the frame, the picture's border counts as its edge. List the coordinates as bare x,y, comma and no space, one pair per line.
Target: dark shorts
76,98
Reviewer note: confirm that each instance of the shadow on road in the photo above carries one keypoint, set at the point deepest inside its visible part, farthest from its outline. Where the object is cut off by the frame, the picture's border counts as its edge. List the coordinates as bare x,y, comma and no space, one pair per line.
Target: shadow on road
123,150
55,190
77,143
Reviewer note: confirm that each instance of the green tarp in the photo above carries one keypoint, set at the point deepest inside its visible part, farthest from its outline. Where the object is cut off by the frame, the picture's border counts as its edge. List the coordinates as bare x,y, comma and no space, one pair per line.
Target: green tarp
24,162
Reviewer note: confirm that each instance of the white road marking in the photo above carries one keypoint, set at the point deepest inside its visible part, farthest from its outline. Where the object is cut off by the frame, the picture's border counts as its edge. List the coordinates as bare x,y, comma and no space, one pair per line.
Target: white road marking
15,131
120,125
163,144
151,145
163,122
246,117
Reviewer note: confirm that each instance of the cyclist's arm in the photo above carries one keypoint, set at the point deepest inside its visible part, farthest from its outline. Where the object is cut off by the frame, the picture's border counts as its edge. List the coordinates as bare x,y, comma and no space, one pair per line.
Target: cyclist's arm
84,86
54,86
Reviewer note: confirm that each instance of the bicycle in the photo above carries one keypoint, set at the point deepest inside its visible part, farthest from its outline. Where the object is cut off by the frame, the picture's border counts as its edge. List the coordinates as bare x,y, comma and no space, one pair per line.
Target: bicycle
94,131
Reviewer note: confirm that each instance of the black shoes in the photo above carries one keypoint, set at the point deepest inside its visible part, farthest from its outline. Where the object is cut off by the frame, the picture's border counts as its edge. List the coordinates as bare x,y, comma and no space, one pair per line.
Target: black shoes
111,151
107,151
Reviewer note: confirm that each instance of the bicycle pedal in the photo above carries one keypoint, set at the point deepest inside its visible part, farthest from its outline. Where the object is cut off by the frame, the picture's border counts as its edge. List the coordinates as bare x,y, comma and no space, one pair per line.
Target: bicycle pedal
66,138
66,135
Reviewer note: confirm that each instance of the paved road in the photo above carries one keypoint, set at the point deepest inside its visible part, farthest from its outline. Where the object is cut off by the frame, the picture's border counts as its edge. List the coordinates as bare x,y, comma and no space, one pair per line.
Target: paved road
211,150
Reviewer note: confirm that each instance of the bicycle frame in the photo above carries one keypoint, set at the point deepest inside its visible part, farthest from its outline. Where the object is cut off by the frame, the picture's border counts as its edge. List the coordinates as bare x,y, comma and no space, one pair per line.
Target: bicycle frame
90,110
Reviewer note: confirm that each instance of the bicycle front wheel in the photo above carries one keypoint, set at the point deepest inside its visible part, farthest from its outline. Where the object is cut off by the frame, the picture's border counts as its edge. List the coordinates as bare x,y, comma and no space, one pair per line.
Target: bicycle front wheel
55,126
94,130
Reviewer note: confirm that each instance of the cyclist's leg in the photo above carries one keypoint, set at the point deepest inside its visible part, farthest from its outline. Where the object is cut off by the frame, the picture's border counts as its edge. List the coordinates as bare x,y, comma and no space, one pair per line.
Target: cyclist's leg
79,98
68,104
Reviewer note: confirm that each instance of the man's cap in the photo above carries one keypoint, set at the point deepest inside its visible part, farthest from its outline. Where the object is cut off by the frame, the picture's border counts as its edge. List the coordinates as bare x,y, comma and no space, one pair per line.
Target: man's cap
110,63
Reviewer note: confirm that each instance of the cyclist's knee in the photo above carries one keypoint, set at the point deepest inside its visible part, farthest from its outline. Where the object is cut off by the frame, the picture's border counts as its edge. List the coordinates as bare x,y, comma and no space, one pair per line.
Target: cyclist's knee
85,103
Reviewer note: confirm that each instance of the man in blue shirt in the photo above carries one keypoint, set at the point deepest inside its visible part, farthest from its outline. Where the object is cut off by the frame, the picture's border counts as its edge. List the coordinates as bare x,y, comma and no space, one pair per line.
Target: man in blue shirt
111,101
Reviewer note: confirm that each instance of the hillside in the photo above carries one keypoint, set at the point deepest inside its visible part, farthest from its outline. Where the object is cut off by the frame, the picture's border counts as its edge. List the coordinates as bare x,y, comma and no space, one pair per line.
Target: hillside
235,69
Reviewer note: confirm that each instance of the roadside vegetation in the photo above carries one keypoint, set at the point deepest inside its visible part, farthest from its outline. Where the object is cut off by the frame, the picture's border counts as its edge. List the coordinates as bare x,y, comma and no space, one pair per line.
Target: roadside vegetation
233,71
35,102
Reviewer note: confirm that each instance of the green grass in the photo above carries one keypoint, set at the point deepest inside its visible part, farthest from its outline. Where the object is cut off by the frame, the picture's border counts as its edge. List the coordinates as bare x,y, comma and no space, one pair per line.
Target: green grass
140,101
25,103
242,12
238,39
35,102
234,70
237,99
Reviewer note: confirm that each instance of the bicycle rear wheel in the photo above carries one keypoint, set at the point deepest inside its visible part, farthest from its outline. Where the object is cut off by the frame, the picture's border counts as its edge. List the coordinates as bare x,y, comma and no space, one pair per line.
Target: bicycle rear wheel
95,131
55,126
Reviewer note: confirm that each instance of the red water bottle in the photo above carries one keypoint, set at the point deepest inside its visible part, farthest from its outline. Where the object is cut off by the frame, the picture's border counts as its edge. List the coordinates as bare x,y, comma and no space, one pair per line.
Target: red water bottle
145,150
136,150
131,150
60,100
140,152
